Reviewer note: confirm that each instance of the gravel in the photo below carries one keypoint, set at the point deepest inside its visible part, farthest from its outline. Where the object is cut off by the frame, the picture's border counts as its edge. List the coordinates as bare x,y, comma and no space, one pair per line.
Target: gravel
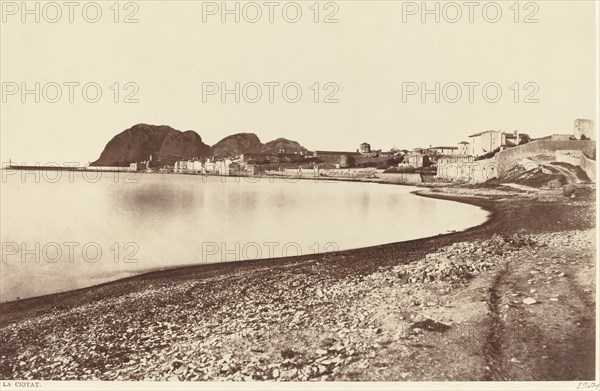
295,321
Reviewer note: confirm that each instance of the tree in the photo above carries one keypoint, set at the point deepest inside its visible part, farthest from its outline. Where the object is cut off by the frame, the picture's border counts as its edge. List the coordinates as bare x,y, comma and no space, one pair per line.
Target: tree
426,161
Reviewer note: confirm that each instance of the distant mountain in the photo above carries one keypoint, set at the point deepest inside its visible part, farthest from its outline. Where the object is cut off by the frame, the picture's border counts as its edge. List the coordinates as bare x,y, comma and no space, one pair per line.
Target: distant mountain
182,146
237,144
167,145
163,143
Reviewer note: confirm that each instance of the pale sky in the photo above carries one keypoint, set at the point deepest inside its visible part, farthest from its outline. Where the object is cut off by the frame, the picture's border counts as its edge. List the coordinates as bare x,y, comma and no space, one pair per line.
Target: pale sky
370,54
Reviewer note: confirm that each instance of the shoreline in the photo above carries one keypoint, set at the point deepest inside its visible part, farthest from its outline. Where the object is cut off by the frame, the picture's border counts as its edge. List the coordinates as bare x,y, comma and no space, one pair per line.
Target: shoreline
518,304
226,266
203,178
235,177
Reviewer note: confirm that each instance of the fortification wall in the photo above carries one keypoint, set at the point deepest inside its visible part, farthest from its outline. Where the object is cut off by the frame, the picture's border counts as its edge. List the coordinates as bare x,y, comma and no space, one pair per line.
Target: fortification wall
464,171
589,166
569,156
370,159
509,157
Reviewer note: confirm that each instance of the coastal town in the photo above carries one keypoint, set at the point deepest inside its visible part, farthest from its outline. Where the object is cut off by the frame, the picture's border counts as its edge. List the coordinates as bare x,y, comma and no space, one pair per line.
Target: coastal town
379,195
511,299
486,155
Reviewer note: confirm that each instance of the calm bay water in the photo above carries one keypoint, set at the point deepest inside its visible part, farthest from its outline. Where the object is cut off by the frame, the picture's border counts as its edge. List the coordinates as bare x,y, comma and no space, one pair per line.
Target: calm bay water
80,231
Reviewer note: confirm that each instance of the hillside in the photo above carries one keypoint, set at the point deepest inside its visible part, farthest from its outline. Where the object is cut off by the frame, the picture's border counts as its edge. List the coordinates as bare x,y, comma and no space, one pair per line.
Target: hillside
167,145
289,145
141,141
237,144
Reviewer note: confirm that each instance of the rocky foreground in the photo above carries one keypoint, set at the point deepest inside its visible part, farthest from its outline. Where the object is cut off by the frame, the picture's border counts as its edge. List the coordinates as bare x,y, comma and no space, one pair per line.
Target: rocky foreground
518,304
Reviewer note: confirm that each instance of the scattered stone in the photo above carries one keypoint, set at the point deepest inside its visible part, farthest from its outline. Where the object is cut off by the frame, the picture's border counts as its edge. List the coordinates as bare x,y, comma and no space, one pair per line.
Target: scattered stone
569,190
288,353
183,328
430,325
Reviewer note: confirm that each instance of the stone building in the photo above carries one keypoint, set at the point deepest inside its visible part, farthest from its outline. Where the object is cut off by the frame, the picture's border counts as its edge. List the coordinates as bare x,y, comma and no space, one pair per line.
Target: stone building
445,151
491,140
365,148
343,159
584,129
415,159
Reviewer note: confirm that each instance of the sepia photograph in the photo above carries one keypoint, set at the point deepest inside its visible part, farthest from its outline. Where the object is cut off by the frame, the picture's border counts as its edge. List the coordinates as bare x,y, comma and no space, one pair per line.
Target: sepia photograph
309,194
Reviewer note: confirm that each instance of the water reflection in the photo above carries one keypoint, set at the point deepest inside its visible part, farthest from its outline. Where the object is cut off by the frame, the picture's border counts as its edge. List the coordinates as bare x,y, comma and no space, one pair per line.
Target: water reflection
182,219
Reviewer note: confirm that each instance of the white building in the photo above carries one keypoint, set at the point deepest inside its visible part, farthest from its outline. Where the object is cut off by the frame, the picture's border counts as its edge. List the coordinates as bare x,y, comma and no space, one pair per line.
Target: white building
490,140
464,148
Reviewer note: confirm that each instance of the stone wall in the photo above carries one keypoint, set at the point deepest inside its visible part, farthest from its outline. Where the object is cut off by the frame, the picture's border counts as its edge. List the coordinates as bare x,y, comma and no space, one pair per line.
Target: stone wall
367,174
589,166
402,177
509,157
353,173
569,156
358,160
569,151
467,171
